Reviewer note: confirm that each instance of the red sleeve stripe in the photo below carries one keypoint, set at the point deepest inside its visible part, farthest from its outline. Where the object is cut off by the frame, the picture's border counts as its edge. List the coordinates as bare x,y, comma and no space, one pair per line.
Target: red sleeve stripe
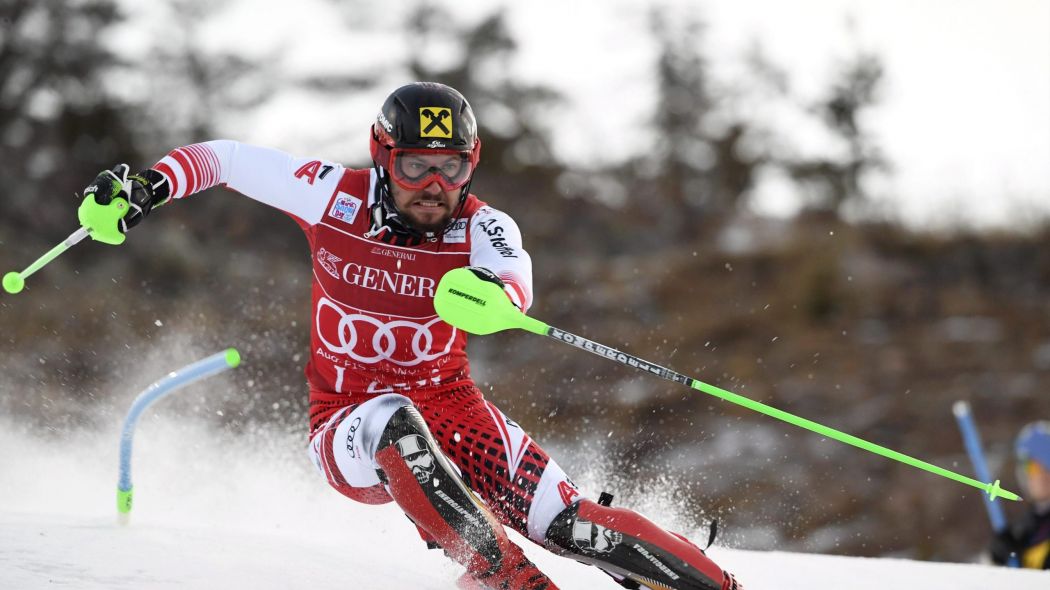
209,163
199,165
173,180
213,163
515,291
203,167
182,159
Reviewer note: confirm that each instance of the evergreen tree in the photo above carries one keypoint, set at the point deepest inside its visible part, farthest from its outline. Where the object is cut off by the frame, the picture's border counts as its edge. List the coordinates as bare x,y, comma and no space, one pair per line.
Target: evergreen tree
696,175
831,183
59,124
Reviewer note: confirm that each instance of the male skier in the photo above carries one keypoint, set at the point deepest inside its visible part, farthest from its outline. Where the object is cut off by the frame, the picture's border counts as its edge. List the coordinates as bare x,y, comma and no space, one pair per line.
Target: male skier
394,414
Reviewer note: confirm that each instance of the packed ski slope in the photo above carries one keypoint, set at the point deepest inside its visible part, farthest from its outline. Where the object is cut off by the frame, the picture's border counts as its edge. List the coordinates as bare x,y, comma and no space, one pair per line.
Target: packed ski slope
247,511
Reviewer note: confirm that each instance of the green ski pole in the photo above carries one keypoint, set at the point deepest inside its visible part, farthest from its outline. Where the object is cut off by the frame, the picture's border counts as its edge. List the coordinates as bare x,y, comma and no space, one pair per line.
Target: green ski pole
98,221
480,307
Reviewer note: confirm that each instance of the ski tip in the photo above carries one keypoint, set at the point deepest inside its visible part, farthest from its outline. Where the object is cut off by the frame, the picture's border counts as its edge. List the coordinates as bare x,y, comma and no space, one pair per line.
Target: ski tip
961,408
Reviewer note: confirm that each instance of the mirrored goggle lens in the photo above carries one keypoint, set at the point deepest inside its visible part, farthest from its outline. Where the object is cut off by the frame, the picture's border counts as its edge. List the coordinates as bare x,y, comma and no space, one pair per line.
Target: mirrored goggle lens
418,170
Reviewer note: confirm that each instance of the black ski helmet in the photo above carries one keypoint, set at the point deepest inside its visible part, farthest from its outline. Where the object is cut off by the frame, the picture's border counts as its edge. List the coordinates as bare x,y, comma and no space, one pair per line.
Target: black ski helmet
424,115
418,116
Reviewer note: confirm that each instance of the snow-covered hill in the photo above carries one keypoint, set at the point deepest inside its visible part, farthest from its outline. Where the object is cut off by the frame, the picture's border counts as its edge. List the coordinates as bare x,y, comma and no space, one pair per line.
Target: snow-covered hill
246,511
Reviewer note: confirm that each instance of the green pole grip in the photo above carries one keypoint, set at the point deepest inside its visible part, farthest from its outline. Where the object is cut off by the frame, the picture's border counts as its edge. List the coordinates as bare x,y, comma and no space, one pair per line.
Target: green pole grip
103,220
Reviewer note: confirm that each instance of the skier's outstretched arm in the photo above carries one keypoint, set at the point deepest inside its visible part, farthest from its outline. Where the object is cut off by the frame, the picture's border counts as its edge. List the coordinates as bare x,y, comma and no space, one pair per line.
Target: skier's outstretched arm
301,187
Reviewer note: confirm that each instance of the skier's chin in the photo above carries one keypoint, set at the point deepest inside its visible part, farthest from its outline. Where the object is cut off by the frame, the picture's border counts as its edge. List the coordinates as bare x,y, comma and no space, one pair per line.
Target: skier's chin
434,226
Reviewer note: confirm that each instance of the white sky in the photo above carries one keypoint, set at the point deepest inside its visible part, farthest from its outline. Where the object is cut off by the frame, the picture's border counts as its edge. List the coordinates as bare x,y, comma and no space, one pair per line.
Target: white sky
965,117
964,120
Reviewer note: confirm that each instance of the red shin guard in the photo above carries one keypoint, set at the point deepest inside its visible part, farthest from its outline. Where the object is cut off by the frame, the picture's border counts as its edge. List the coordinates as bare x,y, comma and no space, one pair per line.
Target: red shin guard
629,545
444,509
477,542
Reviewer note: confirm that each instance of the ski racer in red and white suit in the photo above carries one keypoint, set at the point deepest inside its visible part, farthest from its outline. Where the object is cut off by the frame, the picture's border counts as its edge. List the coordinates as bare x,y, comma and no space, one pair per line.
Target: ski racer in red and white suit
394,414
374,329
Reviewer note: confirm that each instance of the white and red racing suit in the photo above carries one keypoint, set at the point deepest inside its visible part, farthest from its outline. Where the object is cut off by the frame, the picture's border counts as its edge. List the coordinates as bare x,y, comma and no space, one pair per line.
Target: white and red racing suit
374,329
377,341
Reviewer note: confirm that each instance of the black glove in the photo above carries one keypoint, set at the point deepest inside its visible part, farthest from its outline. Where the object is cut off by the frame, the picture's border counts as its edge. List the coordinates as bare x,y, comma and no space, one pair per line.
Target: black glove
1003,545
143,191
486,275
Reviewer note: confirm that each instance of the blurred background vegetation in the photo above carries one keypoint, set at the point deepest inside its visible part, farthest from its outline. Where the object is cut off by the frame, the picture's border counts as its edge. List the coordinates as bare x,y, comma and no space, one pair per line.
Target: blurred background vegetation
839,313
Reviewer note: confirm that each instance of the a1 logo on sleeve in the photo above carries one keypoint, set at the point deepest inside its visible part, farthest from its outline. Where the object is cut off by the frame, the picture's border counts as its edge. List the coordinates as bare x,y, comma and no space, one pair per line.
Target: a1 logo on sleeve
313,170
345,207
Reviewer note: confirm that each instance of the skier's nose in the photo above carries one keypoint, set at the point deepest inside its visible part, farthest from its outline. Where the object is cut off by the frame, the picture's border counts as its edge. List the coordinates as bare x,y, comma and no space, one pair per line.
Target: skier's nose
432,189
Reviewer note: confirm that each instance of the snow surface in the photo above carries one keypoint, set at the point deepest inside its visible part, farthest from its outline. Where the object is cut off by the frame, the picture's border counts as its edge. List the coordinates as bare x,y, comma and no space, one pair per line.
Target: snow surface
246,510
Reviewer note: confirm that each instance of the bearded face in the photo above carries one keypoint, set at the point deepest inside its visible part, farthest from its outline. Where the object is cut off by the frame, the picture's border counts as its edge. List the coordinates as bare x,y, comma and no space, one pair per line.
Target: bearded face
427,209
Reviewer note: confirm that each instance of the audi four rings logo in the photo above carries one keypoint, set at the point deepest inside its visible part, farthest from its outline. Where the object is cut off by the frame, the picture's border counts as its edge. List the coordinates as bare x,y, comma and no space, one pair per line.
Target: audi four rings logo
350,436
369,340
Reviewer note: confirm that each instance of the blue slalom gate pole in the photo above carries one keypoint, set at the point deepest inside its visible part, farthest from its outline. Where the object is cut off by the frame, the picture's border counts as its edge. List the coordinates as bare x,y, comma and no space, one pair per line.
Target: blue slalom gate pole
972,440
201,369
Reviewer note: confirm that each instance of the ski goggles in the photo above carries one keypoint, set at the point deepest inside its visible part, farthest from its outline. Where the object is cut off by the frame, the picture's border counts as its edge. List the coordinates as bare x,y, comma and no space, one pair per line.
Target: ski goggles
1027,470
418,169
1031,467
